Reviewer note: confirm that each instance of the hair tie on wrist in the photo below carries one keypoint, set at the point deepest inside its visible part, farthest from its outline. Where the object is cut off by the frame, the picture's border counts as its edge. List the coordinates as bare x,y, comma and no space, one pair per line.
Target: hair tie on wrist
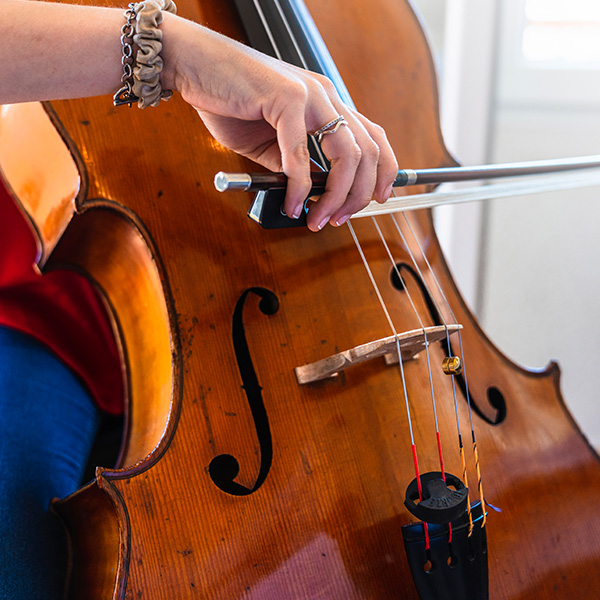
141,77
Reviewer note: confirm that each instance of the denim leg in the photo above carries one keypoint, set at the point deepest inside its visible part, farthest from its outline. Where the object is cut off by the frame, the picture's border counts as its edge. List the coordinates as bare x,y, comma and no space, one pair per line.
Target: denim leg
47,425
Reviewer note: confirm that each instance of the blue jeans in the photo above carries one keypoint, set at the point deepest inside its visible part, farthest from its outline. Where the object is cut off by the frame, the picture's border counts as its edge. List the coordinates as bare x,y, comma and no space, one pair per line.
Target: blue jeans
47,425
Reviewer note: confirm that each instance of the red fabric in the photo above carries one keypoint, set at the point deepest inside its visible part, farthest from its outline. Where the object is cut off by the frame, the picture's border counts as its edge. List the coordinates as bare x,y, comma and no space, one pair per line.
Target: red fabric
60,309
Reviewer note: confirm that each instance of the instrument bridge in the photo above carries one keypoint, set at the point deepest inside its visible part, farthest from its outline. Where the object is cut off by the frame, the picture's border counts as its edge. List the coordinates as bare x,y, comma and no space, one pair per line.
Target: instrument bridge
407,345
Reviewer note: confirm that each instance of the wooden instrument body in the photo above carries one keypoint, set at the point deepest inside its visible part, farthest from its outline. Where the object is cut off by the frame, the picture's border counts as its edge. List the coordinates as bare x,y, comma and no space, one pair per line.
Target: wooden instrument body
174,259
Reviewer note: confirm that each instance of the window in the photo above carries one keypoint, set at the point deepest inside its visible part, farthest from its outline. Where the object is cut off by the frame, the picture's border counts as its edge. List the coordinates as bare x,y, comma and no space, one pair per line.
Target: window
549,53
559,32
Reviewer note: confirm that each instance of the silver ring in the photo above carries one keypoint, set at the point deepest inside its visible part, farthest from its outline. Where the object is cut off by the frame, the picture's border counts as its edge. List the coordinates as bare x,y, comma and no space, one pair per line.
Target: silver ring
330,127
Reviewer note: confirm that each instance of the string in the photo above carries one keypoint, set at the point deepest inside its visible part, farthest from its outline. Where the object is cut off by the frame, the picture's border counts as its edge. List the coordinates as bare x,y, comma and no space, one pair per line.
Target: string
401,367
415,310
315,146
323,160
324,164
439,444
464,370
441,316
267,29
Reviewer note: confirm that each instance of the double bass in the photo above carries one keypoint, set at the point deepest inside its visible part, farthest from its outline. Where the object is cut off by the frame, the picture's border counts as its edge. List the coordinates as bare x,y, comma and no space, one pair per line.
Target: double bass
243,474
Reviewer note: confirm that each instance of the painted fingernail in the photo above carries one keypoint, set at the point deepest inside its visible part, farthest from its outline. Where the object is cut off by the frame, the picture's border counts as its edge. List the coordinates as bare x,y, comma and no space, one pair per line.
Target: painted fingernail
323,223
296,213
342,220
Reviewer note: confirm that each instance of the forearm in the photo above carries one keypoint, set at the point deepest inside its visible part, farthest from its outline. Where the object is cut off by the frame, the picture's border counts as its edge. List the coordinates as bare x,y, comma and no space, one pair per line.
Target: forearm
54,51
253,104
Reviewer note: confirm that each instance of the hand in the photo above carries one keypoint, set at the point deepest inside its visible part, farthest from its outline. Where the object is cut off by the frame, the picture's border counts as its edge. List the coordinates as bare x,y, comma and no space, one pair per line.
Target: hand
263,108
253,104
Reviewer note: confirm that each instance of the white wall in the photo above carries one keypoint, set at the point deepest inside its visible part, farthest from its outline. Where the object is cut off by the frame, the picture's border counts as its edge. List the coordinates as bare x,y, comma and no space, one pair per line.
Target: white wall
540,288
462,33
528,266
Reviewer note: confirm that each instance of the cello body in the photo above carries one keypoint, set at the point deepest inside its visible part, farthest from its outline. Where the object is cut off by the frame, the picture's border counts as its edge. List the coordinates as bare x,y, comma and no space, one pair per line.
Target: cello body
235,481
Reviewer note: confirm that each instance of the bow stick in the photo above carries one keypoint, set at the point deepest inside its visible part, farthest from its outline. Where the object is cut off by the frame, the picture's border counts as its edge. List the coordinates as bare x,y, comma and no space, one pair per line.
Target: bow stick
583,176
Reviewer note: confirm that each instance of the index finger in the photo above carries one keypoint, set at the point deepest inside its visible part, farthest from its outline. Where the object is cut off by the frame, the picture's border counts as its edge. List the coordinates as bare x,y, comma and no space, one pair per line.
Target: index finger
295,159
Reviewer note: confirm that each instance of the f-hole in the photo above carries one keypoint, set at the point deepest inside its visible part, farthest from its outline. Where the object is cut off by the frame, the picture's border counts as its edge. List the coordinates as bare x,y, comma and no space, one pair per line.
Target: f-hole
494,396
223,469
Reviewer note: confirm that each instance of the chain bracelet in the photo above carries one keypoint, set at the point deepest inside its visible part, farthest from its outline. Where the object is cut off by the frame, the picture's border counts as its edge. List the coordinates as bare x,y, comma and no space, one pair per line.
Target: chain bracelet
125,94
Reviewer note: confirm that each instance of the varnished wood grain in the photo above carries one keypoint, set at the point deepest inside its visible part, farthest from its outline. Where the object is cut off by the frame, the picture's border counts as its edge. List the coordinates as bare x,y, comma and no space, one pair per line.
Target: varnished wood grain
326,522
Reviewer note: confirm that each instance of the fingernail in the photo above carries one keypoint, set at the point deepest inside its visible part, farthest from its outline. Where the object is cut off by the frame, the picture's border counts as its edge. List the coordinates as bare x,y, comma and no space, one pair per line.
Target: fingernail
296,213
388,192
323,223
342,220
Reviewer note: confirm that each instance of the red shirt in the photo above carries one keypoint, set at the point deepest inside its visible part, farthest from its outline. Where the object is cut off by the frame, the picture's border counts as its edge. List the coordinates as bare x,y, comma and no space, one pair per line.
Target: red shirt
61,309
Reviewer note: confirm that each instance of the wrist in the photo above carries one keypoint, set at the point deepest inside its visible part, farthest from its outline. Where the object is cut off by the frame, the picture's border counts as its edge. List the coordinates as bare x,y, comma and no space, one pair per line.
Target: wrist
168,75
